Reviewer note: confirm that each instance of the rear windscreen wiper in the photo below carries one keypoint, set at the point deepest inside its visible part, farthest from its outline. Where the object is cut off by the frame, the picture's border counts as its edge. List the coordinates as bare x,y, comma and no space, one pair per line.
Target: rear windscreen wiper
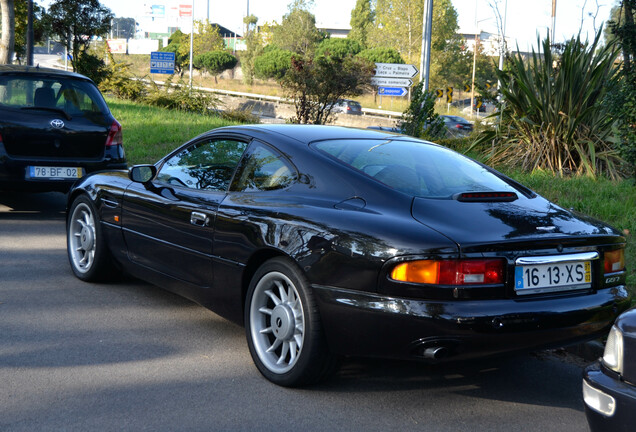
57,110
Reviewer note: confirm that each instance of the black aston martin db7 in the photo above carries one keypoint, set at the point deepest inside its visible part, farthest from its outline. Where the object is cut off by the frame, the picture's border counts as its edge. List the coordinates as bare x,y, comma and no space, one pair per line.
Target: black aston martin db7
327,241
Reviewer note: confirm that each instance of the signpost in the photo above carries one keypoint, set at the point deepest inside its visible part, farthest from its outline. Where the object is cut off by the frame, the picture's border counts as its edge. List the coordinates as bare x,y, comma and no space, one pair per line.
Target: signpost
393,79
162,62
392,91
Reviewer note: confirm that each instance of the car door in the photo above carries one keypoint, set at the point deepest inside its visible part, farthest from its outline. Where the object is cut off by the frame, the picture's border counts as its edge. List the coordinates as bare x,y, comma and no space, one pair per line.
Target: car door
169,222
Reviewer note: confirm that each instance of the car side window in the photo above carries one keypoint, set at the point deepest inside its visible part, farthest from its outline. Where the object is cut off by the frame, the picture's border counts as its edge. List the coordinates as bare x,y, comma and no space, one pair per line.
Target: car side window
207,165
263,169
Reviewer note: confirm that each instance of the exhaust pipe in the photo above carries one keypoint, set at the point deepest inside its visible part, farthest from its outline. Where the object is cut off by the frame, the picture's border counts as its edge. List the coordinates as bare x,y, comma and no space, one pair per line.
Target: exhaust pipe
435,352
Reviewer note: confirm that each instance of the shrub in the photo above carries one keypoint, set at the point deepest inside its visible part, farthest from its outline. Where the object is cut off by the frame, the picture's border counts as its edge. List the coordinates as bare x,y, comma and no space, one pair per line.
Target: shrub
554,117
181,97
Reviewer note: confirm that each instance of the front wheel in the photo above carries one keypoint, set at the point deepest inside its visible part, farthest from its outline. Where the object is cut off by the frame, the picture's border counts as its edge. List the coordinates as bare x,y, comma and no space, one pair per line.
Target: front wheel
87,253
283,327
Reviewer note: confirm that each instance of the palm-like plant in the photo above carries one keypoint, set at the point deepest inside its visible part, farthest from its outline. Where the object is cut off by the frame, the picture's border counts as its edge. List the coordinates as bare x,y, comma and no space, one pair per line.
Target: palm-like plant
553,116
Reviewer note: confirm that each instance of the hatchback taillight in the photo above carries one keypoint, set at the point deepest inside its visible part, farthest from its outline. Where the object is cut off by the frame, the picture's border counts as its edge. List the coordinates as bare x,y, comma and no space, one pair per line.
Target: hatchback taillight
614,261
115,136
451,272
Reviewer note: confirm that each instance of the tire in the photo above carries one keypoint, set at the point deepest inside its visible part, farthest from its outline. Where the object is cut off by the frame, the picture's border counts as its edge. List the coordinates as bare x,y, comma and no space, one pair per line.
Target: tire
87,252
283,328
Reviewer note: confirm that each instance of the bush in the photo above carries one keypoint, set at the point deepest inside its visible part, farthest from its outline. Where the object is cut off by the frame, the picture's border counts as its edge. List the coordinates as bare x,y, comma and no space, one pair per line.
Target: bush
180,97
420,119
92,66
554,116
241,116
121,82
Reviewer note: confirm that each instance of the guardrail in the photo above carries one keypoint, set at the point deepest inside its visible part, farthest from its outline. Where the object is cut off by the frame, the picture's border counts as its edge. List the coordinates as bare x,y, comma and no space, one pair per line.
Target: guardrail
278,99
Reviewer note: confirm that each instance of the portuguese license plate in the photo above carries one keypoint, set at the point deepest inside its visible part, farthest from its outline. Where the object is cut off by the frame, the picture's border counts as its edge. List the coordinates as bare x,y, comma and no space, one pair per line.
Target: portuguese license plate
534,279
54,173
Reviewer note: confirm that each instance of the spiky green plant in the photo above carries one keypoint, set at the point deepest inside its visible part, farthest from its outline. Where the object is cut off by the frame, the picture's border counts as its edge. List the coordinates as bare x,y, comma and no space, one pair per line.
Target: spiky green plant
553,116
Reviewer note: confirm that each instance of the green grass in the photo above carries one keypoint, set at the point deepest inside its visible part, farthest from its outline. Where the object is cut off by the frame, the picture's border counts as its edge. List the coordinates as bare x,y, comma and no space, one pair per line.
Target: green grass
152,132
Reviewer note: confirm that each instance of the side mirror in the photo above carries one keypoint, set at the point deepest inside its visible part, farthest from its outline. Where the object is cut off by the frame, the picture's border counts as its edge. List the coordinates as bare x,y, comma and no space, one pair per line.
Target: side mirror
142,173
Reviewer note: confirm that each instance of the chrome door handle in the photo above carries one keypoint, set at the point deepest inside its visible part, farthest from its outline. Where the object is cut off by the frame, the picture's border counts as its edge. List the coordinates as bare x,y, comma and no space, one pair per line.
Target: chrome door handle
199,219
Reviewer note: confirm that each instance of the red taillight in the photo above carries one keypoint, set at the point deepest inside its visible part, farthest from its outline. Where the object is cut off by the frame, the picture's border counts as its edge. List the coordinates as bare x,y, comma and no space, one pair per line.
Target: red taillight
614,261
486,196
451,272
458,126
115,136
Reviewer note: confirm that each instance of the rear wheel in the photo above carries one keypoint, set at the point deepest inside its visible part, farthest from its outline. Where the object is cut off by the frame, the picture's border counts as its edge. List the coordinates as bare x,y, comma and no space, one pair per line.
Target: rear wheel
87,253
283,327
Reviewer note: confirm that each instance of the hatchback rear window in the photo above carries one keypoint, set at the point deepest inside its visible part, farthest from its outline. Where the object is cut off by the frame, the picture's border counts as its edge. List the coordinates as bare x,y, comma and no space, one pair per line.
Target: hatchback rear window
75,97
415,168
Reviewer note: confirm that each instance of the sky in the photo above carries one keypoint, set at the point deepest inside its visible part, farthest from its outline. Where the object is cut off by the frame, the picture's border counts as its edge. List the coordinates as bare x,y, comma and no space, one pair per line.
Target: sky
524,18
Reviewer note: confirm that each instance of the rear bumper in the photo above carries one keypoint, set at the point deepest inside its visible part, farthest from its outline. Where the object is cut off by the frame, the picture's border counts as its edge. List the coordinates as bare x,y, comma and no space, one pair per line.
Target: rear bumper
358,323
624,395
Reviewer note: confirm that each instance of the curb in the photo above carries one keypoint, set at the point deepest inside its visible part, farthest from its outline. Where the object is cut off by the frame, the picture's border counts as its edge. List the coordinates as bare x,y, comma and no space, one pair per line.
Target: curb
589,351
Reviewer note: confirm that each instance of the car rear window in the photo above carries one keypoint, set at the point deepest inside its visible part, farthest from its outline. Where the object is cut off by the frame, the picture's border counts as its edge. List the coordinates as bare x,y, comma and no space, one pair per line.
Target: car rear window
415,168
75,97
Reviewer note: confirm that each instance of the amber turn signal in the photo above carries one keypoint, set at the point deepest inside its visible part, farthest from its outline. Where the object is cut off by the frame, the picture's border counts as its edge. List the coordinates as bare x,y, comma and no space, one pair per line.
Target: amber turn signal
451,272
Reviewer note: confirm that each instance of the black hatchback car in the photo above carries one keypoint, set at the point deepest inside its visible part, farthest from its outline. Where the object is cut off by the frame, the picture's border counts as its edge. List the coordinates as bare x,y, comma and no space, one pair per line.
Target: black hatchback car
55,127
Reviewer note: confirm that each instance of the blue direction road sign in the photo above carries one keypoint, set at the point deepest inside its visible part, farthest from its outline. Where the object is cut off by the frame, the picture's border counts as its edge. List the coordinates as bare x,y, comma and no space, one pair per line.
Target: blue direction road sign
392,91
162,62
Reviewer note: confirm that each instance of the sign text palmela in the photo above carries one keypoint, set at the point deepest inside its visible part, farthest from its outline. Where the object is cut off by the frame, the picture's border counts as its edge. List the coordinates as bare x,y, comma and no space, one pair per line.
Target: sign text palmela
395,70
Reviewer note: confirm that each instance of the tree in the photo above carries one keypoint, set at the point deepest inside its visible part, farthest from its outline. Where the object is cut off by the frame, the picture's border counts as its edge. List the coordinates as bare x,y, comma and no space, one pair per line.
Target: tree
297,32
206,38
124,28
623,99
361,22
273,63
420,119
215,62
338,48
76,22
399,24
39,28
7,42
254,46
316,84
381,55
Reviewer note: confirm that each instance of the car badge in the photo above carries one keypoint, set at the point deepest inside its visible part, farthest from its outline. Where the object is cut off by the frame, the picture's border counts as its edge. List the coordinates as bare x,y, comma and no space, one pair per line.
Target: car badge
57,123
546,228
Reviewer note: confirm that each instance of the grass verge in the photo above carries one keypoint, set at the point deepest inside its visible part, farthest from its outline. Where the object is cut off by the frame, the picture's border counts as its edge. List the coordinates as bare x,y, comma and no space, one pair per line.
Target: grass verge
152,132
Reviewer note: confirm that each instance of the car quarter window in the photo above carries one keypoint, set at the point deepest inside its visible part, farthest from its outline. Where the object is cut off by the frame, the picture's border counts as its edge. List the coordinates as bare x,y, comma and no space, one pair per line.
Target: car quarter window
263,168
207,165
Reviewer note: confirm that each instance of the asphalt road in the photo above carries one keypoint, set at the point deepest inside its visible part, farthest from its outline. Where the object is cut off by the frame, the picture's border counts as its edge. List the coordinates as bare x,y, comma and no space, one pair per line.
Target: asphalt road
128,356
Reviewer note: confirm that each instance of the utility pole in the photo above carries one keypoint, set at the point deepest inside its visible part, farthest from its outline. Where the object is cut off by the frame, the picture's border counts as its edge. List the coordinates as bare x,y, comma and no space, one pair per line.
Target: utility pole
191,41
554,2
29,35
427,28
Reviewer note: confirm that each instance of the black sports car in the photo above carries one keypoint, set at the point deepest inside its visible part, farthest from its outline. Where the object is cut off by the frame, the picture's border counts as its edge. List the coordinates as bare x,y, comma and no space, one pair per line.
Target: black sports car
55,127
327,241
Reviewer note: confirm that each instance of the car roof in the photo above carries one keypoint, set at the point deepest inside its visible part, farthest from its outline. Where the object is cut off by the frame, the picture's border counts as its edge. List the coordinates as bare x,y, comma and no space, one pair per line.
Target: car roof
12,69
310,133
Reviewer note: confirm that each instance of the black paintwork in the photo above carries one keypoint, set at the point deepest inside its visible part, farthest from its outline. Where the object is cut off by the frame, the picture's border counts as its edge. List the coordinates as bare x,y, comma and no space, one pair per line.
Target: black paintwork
345,230
27,137
621,387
